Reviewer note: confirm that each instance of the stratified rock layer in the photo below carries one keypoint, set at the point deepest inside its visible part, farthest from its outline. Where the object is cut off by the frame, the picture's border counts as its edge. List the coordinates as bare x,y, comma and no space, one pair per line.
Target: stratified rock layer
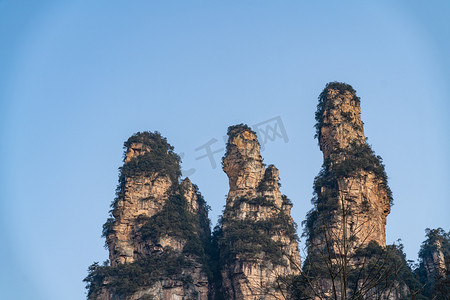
258,245
158,230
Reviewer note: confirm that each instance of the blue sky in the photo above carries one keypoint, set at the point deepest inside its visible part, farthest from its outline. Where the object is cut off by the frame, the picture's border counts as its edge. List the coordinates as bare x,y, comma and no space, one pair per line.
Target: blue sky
77,78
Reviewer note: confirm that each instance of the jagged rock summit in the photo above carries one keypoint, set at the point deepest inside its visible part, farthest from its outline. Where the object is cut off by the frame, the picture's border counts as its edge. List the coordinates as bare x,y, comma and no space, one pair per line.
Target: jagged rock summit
258,241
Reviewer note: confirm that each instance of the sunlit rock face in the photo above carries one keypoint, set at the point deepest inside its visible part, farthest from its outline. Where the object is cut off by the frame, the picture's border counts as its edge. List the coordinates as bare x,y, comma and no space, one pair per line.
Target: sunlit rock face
351,174
341,123
258,245
147,230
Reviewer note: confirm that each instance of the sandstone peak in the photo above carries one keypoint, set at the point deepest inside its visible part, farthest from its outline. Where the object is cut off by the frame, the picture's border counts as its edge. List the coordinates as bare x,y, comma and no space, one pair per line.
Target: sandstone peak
353,179
158,230
258,240
242,161
338,118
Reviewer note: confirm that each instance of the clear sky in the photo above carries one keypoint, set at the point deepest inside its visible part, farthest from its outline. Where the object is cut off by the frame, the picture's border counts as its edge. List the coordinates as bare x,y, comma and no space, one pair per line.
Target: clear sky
77,78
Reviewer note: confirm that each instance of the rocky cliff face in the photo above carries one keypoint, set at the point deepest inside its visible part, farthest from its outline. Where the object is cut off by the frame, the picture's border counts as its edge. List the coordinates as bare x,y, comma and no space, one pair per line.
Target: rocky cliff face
158,230
434,262
434,267
351,191
258,242
143,195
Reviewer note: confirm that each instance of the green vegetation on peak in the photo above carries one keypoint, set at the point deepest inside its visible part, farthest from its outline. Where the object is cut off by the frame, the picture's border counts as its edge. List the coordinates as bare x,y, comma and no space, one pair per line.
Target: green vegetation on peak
147,138
236,129
323,102
342,87
435,236
160,159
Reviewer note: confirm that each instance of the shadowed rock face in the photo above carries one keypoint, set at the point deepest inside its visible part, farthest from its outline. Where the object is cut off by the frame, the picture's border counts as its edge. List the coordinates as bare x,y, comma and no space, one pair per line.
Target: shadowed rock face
434,254
435,262
259,241
434,266
352,174
149,200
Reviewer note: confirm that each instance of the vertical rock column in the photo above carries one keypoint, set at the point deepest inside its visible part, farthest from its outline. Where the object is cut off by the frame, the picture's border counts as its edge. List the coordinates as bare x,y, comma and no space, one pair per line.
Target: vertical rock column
258,246
352,197
142,194
158,230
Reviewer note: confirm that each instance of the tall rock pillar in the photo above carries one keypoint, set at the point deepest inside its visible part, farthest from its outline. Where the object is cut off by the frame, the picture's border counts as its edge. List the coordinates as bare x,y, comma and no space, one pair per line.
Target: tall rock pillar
158,230
351,195
258,246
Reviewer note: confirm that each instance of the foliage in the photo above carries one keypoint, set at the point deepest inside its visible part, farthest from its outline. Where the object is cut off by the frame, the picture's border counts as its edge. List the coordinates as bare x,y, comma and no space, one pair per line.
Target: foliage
384,265
325,201
429,246
260,201
251,240
267,182
215,263
346,163
359,157
286,200
125,279
108,227
371,271
176,220
160,159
